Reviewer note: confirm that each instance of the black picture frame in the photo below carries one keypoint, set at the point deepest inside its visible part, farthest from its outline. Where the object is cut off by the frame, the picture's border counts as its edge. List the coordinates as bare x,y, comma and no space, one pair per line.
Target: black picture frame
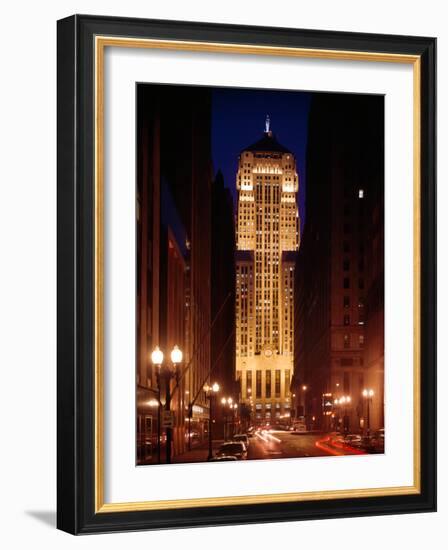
76,273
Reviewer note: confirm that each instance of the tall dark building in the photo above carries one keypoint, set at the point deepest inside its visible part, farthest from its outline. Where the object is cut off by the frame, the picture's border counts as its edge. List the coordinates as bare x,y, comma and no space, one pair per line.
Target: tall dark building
223,295
339,305
174,179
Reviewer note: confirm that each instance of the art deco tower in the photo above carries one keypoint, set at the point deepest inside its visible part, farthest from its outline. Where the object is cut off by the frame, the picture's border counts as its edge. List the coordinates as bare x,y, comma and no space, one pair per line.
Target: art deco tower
267,241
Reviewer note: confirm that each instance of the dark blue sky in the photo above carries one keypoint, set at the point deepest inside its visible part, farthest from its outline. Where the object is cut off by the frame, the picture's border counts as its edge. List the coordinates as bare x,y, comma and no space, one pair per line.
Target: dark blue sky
238,119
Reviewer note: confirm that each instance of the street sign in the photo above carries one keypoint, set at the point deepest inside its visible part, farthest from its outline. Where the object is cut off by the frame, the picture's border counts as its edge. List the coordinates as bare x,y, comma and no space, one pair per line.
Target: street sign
168,419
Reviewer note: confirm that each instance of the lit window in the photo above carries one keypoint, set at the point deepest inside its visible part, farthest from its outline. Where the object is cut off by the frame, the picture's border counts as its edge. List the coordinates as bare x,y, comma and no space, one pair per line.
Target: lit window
361,193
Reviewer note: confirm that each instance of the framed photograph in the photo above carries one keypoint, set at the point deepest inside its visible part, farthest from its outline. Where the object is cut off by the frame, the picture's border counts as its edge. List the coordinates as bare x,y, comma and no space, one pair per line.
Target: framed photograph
246,274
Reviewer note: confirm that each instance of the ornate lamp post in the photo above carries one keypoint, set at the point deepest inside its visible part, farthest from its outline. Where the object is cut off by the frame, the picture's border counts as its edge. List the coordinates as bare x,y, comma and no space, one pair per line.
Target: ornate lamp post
368,395
224,415
157,360
235,416
210,392
166,372
345,401
304,388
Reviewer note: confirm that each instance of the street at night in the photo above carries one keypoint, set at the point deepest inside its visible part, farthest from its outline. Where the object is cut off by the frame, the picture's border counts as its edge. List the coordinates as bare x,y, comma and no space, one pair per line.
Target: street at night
270,444
285,444
260,287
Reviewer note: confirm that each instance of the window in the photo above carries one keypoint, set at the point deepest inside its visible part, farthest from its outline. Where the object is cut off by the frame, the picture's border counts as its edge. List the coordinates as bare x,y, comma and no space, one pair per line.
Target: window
361,314
346,320
361,340
287,380
248,383
346,382
277,383
268,383
258,383
346,265
346,246
346,282
361,193
346,302
361,283
346,340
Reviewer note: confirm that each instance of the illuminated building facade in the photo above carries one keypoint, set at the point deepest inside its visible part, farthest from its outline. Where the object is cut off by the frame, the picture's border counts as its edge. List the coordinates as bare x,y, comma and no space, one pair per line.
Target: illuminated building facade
268,237
339,315
173,233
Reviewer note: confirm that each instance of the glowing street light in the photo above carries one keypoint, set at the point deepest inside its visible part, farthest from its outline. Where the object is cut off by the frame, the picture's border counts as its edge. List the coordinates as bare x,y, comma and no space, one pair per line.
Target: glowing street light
368,394
345,400
210,392
176,355
157,357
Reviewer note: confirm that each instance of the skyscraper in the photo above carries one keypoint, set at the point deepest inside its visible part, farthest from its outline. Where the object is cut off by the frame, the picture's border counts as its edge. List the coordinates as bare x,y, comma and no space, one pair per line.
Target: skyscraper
267,241
340,268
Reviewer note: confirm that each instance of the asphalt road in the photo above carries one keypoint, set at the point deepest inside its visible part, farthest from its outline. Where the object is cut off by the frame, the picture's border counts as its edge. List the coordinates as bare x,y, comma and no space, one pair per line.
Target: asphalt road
279,444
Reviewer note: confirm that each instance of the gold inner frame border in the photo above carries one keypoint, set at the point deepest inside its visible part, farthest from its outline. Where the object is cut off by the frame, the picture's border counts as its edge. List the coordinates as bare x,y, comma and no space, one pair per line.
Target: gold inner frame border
100,43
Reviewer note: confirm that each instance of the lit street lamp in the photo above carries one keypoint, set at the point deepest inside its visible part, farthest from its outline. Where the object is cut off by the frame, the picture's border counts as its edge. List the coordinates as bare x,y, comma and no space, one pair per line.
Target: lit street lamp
167,373
304,388
224,414
228,401
368,394
345,401
210,391
235,409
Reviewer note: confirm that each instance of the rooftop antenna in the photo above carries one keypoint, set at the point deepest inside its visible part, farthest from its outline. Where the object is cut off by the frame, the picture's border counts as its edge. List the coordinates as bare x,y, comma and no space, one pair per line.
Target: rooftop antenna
267,124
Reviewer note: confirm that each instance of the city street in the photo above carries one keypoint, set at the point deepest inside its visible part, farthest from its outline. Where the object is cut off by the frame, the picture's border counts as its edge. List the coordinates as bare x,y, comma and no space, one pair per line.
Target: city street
282,444
279,444
244,321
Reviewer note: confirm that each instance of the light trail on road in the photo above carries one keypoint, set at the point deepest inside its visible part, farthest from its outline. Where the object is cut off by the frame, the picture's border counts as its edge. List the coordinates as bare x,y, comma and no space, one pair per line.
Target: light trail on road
258,434
268,436
337,448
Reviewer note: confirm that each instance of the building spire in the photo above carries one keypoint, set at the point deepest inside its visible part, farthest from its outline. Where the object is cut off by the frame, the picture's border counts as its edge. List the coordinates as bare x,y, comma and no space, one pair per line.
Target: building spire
267,124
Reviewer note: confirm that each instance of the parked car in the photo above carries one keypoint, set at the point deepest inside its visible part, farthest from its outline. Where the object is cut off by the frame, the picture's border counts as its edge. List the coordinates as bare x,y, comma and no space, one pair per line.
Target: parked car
377,442
354,440
242,437
299,427
223,458
374,443
233,448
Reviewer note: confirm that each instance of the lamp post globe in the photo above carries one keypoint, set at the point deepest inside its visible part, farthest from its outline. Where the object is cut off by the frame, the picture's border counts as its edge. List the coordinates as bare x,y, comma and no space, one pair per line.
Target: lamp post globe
210,391
176,355
368,394
157,356
157,360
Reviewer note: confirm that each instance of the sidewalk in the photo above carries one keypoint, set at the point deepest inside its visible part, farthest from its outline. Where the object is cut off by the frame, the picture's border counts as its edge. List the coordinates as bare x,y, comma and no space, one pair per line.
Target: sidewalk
199,453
